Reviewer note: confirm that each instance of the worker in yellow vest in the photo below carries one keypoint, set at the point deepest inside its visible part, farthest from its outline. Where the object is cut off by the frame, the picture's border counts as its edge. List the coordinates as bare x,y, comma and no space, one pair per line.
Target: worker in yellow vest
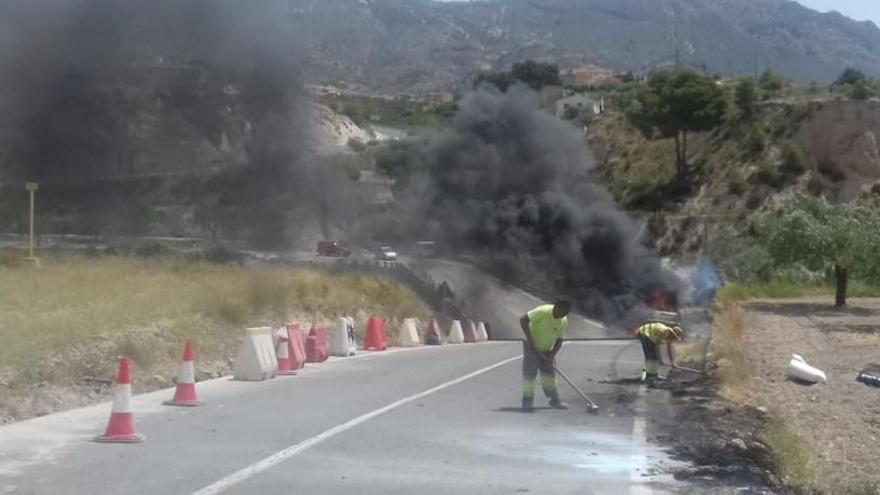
651,335
544,328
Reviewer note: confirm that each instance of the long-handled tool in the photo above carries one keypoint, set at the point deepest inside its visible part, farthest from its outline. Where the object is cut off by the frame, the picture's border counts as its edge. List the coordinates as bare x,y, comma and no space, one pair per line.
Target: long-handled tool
591,406
690,369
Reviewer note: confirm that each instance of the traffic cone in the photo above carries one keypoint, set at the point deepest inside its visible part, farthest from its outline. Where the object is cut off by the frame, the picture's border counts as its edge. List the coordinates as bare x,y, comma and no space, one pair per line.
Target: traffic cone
282,353
185,395
120,428
432,336
375,338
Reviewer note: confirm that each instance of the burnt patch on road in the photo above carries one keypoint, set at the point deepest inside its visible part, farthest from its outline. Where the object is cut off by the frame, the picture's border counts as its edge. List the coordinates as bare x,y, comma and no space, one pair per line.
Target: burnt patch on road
718,440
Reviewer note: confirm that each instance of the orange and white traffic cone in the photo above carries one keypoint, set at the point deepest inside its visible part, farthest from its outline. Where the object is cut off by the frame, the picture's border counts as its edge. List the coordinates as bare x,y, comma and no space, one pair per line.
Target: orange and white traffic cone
185,394
282,353
120,429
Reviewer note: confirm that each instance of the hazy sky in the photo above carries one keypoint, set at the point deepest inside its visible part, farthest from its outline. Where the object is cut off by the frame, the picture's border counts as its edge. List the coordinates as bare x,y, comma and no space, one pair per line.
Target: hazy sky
861,10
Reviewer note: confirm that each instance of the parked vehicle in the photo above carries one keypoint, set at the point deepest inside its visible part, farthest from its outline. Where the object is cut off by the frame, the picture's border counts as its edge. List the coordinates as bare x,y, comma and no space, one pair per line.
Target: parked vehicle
386,253
332,249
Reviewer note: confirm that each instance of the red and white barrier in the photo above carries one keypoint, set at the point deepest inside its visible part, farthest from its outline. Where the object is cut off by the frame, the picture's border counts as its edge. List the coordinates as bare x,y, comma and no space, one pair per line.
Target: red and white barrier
282,353
120,428
185,394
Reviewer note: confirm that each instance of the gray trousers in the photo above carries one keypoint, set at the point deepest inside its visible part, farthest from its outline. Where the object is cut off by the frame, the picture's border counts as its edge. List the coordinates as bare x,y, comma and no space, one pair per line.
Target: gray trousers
532,363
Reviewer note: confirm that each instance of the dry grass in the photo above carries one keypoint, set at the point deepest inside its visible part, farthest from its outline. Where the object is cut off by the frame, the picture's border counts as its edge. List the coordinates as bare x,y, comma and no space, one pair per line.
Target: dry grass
728,349
71,318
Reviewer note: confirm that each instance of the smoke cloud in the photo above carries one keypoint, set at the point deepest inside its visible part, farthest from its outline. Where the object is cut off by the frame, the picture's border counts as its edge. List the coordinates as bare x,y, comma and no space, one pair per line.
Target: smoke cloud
512,183
94,92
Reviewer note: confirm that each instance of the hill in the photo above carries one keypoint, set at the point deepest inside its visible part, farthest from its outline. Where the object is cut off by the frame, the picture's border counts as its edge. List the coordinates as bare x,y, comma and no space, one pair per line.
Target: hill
424,45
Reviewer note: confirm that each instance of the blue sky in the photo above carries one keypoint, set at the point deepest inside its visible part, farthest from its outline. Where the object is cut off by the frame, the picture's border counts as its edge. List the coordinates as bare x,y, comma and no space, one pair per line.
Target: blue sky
861,10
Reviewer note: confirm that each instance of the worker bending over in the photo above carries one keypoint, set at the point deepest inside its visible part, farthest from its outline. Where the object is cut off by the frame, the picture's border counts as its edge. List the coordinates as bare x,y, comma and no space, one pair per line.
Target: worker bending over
651,335
544,328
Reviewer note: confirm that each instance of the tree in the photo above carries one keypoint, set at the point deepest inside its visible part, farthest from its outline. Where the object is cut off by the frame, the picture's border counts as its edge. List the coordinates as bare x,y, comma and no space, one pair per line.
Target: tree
531,73
850,76
536,74
745,96
673,103
819,236
861,91
771,81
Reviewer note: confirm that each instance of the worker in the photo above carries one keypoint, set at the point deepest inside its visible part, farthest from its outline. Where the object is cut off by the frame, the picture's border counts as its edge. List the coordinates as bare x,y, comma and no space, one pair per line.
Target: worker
651,335
544,328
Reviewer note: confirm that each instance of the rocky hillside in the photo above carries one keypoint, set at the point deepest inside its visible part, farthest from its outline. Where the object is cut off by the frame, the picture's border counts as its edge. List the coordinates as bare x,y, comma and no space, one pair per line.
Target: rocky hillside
818,147
423,45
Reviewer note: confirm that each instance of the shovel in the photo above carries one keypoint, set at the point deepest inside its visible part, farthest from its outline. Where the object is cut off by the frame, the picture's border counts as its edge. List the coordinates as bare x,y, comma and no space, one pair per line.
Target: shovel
591,406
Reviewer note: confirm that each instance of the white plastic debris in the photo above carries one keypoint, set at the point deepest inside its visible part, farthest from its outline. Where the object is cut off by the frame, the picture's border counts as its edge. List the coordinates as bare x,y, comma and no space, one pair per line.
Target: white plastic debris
800,370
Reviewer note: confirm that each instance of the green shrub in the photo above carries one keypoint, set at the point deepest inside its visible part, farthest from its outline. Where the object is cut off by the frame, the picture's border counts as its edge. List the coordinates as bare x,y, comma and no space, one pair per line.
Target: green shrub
736,184
756,141
861,91
794,159
768,174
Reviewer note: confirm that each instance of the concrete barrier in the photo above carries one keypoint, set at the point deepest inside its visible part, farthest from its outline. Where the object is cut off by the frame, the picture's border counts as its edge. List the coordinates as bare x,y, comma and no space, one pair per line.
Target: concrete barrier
409,335
456,335
482,335
470,332
342,340
256,360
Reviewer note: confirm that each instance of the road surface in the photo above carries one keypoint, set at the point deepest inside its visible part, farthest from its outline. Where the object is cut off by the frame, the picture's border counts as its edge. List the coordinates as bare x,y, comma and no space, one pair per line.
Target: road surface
429,420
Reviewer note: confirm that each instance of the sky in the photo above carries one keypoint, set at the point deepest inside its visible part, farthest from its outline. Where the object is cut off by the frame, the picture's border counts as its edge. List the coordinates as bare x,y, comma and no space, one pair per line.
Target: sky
860,10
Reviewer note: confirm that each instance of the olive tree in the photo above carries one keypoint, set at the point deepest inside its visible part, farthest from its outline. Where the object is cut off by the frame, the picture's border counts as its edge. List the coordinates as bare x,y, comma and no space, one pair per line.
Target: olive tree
820,236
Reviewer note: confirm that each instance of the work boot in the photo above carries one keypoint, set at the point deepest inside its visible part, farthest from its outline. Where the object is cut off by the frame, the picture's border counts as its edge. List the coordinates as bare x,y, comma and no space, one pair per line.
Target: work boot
528,404
555,403
655,381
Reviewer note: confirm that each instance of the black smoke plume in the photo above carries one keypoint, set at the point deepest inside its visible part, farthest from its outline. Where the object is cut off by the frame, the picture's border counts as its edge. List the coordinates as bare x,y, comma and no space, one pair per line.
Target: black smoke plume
512,184
82,79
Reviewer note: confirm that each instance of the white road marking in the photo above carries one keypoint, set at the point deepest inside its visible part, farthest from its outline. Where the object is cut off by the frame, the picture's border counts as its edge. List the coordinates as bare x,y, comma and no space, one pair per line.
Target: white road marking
281,456
638,458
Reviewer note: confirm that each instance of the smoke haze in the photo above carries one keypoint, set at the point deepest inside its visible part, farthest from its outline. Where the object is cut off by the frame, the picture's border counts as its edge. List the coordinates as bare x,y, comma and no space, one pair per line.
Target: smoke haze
512,183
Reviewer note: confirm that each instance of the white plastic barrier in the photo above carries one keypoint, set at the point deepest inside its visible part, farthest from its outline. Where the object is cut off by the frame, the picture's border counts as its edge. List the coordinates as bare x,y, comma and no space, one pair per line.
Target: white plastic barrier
342,340
800,370
409,335
256,359
482,334
456,335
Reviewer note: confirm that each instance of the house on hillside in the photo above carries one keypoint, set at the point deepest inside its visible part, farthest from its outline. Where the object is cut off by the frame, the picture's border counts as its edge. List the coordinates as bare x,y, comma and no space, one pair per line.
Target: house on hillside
577,104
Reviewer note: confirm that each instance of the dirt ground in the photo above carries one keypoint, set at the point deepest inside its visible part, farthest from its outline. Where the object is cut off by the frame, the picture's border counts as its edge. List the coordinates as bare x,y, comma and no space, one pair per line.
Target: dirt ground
840,419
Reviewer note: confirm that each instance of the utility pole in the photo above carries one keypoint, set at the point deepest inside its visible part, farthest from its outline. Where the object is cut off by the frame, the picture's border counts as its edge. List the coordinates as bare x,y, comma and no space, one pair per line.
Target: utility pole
32,189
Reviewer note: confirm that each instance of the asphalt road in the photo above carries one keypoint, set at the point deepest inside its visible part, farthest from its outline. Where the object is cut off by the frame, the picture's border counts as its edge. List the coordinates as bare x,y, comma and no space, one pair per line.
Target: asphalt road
429,420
